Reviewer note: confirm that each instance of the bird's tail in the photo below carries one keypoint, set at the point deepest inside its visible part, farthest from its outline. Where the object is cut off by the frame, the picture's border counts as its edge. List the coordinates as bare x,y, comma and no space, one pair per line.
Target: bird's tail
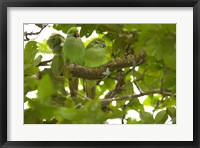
91,89
73,86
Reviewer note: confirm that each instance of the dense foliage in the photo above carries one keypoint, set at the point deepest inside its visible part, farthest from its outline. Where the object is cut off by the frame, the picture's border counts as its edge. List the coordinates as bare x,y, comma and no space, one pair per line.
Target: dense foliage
153,78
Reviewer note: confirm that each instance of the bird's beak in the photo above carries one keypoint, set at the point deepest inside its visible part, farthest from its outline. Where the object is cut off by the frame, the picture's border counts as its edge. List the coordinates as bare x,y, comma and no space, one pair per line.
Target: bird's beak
76,34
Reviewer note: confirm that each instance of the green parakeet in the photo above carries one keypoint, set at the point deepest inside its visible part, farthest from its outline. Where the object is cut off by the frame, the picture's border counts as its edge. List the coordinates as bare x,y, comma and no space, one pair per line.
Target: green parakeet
56,42
73,52
94,57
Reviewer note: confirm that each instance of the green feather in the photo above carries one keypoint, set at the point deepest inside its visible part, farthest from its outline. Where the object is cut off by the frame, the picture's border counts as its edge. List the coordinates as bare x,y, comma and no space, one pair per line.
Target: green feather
94,57
73,52
55,42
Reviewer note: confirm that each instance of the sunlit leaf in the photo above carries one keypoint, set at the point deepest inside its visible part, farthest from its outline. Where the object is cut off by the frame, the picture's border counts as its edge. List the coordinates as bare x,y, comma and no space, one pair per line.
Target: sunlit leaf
43,48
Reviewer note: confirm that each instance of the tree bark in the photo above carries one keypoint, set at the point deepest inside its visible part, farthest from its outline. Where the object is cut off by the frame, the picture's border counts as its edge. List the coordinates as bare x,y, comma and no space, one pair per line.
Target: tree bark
97,73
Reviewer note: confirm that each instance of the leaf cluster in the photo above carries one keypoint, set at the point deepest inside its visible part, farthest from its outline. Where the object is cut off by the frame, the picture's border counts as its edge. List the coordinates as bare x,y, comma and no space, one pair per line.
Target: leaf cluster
53,104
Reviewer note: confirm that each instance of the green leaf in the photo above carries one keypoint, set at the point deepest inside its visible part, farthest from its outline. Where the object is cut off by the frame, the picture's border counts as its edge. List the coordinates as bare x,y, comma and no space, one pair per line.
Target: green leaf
109,37
45,88
69,103
30,84
128,88
116,113
161,117
171,111
154,69
87,30
114,28
30,51
131,27
136,105
150,82
78,116
133,121
71,114
169,101
109,84
31,70
174,120
147,117
26,99
30,117
41,109
57,64
170,60
118,47
37,60
151,100
159,40
93,105
43,48
63,27
170,79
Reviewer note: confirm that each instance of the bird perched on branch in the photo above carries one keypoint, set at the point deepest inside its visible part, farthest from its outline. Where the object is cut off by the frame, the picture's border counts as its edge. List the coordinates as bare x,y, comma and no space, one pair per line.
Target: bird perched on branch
73,52
94,57
56,42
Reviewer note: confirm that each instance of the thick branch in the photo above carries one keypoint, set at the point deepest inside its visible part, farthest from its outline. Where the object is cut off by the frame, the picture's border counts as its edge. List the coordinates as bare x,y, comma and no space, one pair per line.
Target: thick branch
130,97
103,71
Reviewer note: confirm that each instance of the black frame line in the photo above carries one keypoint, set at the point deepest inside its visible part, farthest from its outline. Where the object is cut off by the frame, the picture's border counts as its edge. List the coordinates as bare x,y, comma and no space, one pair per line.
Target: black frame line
4,4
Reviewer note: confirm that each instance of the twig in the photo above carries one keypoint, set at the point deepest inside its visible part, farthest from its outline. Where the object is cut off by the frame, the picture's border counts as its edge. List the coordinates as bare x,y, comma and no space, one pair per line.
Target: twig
141,77
137,86
128,71
77,105
158,103
131,97
118,88
124,115
86,98
161,89
44,63
26,34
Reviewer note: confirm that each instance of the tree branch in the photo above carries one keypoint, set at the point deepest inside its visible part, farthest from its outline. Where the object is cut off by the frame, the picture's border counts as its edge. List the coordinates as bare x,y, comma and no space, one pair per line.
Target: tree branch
97,73
130,97
44,63
26,34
